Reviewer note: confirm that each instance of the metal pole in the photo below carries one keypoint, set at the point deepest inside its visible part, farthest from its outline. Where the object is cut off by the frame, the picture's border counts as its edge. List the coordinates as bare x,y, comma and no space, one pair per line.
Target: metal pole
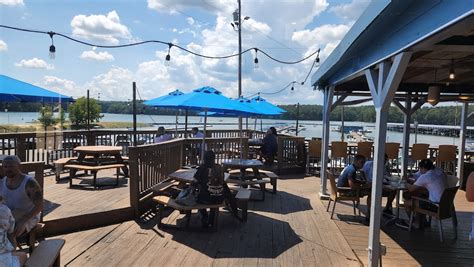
342,123
134,107
240,60
297,117
88,111
406,136
416,131
462,140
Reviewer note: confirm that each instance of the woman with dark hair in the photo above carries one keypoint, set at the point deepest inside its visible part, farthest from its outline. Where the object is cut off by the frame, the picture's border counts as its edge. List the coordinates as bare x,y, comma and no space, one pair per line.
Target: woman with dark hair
210,186
274,131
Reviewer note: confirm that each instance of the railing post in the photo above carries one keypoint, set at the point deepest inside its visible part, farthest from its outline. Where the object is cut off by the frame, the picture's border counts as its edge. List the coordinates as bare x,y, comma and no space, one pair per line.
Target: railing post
134,195
21,148
280,153
245,147
91,136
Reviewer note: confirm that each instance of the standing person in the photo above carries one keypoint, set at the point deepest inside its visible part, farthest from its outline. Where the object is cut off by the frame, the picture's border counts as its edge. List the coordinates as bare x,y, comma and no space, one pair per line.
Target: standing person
270,147
161,135
22,195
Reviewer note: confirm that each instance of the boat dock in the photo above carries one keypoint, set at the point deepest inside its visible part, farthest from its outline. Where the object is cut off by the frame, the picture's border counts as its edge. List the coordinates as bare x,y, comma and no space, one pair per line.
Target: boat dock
439,130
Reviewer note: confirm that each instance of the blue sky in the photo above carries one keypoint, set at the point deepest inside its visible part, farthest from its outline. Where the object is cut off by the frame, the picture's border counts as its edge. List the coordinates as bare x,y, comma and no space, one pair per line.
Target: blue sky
288,30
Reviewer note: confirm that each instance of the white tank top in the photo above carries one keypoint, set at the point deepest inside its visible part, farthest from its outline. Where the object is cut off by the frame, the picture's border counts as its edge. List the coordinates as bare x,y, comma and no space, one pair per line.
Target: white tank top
17,199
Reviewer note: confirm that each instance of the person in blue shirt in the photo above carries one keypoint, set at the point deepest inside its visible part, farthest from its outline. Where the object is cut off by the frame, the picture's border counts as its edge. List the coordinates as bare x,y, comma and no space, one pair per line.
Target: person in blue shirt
353,176
387,191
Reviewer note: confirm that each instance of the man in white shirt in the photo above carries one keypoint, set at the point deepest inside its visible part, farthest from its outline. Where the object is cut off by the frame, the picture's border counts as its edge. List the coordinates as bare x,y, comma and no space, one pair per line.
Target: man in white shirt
431,179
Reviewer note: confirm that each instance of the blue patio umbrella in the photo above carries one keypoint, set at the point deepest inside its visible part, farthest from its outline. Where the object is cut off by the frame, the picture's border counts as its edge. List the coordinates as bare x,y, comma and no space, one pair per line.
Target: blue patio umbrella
157,101
207,99
13,90
267,108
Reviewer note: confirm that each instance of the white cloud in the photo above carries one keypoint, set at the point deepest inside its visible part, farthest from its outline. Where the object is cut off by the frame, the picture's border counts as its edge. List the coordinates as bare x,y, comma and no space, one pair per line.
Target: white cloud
101,56
174,6
34,63
116,84
190,20
3,46
253,25
12,2
63,86
100,27
326,37
350,11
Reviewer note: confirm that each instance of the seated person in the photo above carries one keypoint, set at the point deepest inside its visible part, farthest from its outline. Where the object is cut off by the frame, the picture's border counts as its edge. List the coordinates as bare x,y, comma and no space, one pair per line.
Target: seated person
353,176
8,256
22,195
431,180
270,147
161,135
211,187
195,133
387,191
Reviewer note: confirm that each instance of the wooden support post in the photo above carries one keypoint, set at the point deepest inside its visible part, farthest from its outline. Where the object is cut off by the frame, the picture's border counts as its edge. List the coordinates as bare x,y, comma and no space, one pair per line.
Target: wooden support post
462,140
328,97
383,84
406,135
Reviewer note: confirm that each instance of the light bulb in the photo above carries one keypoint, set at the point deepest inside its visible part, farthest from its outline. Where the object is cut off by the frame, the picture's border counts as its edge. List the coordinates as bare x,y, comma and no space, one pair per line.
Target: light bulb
255,63
52,52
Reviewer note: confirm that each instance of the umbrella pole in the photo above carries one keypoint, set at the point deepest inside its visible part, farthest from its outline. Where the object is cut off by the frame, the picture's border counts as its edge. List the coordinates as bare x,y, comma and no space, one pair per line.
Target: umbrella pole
204,137
241,146
186,124
176,124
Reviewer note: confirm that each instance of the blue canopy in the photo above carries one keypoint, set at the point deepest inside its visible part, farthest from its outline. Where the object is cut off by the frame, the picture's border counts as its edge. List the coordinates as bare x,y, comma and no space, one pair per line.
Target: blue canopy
12,90
158,100
265,107
207,99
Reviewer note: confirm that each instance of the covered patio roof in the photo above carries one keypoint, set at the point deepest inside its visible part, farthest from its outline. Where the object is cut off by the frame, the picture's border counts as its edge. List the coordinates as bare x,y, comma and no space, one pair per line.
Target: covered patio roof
400,52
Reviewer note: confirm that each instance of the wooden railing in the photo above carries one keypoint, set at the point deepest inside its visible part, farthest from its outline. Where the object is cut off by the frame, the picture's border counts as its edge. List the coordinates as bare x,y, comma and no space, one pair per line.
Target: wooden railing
291,152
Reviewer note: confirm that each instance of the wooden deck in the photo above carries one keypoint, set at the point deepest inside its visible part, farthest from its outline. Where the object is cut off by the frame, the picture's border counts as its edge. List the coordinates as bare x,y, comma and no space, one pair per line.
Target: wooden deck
291,228
62,201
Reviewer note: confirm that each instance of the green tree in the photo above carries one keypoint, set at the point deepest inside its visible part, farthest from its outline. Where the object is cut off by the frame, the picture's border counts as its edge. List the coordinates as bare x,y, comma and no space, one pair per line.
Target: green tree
46,117
78,111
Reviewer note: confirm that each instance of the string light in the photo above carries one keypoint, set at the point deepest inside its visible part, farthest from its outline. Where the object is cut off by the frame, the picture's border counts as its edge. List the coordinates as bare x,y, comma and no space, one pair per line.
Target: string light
168,56
255,61
451,71
164,43
52,48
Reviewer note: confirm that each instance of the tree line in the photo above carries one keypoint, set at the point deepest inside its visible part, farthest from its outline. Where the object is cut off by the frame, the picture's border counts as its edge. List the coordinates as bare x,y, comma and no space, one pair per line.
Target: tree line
443,115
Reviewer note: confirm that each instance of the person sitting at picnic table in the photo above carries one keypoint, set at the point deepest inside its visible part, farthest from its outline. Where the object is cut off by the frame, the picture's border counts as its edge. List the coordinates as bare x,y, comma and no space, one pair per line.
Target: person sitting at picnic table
211,187
353,176
270,147
196,133
161,135
8,256
430,181
387,190
274,131
22,195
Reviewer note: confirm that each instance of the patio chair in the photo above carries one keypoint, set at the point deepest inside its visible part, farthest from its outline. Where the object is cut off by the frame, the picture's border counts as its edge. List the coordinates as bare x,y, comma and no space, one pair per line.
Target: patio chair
442,210
365,149
446,158
314,154
392,149
340,194
418,152
338,156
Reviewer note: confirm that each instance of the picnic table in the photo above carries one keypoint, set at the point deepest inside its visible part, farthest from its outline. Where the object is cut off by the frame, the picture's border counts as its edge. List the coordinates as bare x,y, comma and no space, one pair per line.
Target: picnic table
242,165
186,175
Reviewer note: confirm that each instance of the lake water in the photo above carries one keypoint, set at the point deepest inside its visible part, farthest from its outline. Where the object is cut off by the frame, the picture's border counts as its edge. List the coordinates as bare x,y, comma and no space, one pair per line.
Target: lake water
310,128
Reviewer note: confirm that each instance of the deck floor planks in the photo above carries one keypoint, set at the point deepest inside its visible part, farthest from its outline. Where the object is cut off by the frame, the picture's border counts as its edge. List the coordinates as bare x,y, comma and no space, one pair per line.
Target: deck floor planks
67,202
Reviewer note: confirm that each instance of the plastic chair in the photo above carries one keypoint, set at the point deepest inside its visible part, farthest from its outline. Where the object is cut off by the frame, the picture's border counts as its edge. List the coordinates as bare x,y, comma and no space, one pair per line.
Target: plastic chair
442,210
418,152
446,158
314,153
392,149
365,149
338,155
337,194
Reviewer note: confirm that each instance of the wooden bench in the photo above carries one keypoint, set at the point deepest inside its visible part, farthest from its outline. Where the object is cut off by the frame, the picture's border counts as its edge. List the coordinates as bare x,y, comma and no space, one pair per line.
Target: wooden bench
242,198
59,165
46,254
267,174
94,170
